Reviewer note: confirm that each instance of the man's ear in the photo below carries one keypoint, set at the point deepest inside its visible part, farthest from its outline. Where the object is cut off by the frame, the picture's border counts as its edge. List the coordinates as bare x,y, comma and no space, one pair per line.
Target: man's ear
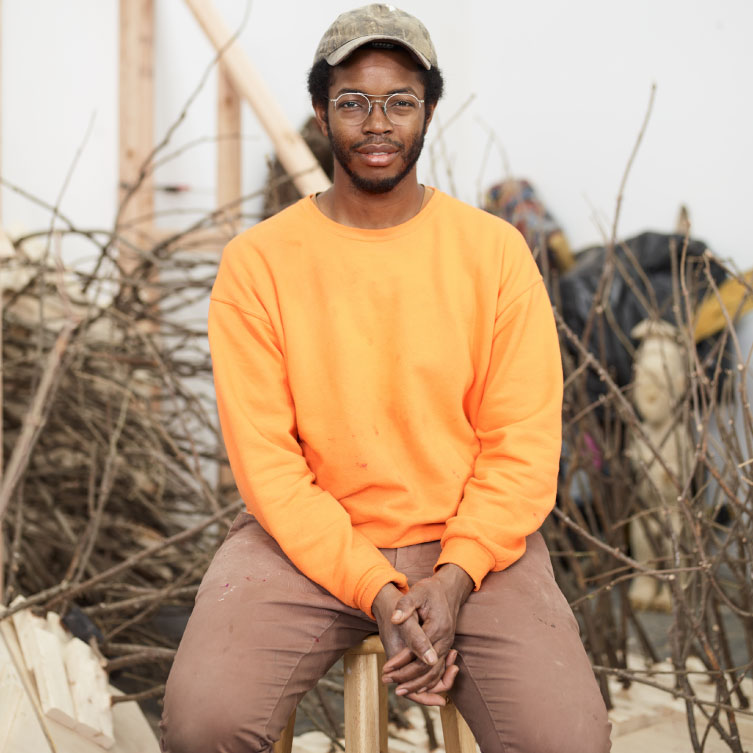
320,112
429,116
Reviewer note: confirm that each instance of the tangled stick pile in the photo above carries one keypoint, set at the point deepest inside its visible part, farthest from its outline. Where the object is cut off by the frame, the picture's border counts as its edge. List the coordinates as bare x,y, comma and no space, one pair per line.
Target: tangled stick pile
657,495
111,505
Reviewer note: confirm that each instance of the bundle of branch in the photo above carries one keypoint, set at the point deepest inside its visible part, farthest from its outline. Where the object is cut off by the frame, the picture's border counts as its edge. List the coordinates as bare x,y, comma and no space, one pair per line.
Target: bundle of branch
651,538
109,505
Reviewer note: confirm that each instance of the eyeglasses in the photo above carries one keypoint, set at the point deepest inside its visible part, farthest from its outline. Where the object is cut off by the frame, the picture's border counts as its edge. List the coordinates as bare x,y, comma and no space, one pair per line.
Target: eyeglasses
354,108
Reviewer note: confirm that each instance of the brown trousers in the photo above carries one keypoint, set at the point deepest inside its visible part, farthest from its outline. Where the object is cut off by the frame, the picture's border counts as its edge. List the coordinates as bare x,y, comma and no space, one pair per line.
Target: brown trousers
262,634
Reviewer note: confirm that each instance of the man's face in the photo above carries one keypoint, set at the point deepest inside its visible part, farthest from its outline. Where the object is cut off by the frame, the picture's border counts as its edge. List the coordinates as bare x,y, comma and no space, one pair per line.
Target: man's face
376,155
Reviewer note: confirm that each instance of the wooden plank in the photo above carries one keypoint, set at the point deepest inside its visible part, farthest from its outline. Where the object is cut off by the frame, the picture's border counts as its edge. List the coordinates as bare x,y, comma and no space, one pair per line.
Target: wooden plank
52,681
292,150
24,622
43,656
136,121
25,734
132,730
34,733
91,699
30,731
229,180
56,627
1,221
11,695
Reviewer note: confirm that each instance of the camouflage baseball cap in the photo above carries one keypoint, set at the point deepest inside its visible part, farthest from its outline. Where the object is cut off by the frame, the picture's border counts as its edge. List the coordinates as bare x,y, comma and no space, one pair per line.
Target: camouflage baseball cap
372,23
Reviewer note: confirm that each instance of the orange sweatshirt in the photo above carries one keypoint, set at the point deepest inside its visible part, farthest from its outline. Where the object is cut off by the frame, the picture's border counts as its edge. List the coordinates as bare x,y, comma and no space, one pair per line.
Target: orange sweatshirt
380,388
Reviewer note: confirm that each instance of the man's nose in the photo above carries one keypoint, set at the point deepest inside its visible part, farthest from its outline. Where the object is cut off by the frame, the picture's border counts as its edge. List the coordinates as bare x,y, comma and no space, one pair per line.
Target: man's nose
377,121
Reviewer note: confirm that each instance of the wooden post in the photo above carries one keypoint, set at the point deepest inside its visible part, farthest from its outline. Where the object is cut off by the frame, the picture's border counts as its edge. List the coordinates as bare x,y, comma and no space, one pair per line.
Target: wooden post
1,222
292,150
2,238
229,188
136,119
458,737
229,181
285,743
363,727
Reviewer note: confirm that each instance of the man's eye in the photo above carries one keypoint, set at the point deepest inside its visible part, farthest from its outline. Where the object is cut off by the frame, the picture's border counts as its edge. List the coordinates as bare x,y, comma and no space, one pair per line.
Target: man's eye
402,104
350,104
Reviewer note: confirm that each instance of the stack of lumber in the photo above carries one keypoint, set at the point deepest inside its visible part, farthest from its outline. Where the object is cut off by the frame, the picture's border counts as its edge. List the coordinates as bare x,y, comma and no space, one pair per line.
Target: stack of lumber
54,694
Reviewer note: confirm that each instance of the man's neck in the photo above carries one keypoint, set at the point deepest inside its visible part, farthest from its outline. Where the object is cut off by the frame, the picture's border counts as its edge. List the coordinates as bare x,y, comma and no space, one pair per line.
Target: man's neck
348,205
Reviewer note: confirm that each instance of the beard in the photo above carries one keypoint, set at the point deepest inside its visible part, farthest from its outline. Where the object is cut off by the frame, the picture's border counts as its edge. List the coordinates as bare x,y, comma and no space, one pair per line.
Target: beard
410,154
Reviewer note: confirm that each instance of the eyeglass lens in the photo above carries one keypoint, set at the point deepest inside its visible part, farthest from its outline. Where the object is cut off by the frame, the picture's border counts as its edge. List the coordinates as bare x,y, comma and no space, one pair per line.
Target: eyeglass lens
400,109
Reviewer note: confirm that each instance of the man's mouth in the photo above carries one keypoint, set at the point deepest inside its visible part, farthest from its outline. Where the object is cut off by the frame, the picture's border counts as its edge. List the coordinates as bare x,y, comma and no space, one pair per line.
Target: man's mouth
377,155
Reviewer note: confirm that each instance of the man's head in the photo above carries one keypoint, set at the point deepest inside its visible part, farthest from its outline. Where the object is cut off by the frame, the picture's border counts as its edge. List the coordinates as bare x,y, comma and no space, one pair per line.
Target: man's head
381,51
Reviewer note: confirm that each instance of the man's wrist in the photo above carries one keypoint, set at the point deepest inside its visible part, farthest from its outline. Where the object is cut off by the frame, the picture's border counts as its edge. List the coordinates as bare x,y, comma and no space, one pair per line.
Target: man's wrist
384,601
456,582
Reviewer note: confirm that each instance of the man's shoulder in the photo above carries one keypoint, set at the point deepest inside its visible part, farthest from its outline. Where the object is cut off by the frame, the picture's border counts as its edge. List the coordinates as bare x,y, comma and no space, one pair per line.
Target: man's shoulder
457,211
268,236
280,224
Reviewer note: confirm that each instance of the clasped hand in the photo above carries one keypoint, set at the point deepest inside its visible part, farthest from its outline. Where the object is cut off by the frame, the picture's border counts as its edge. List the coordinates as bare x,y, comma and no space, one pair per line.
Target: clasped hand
418,629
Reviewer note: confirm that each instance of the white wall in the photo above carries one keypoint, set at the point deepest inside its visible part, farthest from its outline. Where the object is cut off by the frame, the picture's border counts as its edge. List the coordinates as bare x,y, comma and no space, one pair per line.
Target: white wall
562,85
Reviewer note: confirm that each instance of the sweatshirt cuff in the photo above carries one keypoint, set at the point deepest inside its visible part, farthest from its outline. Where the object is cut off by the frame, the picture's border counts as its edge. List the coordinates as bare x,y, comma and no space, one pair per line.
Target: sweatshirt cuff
372,583
475,559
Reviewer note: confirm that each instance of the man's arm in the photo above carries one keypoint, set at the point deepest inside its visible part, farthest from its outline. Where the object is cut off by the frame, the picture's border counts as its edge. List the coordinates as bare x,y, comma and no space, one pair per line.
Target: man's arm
519,428
258,419
259,427
514,482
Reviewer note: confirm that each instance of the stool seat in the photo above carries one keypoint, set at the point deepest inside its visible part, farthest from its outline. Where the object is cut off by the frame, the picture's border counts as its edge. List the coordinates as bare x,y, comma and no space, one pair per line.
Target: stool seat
366,707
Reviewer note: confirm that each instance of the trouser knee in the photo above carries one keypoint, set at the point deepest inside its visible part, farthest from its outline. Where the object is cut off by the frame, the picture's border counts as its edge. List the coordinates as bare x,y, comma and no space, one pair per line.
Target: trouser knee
213,728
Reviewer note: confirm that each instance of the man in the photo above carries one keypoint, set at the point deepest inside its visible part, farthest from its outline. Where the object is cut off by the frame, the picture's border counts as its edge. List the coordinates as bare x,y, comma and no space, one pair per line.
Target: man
389,387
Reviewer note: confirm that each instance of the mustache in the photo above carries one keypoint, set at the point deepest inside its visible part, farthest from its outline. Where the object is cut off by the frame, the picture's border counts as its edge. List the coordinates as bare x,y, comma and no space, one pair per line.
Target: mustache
379,140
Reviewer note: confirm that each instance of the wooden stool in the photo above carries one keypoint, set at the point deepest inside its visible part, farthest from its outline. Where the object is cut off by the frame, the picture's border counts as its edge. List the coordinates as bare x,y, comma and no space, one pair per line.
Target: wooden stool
366,707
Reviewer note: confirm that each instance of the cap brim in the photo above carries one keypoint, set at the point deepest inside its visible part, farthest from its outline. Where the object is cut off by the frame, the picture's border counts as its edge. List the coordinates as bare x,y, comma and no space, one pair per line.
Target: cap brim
348,48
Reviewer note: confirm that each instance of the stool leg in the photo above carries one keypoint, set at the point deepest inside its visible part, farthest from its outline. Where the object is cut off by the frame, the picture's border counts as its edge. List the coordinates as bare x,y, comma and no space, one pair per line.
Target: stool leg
383,705
285,743
458,737
362,691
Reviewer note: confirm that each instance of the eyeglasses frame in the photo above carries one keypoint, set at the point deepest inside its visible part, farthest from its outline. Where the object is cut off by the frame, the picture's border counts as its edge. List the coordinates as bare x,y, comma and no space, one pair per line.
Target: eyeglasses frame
384,97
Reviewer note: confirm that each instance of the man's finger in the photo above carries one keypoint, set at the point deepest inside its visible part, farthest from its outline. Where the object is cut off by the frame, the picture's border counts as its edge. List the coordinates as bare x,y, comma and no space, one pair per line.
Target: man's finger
447,680
435,696
415,679
401,659
404,608
418,643
409,670
428,699
403,667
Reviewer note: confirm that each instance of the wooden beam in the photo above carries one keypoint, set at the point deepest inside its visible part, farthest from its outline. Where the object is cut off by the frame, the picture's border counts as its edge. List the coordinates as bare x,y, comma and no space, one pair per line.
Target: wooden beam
136,119
229,180
292,150
2,239
1,172
4,242
229,186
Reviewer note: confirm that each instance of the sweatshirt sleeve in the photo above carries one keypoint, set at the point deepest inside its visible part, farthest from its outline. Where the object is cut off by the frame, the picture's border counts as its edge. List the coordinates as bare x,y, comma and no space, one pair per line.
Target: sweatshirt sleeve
519,427
258,421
